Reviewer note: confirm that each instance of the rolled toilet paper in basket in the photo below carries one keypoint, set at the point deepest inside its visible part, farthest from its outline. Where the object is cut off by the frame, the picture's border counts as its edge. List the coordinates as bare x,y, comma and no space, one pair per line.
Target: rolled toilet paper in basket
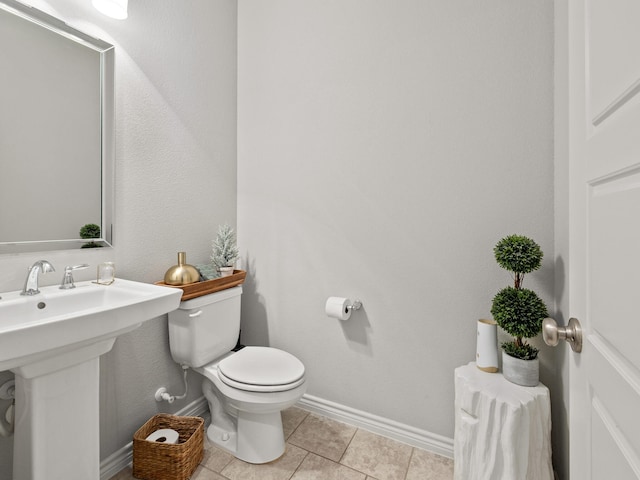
164,435
336,307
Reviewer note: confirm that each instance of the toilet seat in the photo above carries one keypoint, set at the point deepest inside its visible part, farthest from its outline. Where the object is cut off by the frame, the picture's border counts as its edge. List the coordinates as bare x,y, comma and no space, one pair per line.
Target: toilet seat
261,369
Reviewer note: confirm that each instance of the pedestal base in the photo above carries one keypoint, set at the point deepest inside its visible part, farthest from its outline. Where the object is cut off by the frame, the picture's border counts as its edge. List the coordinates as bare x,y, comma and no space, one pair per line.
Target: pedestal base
57,434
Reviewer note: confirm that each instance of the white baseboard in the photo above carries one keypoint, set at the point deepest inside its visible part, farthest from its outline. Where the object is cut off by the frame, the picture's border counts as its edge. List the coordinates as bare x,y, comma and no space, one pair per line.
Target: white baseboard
415,437
122,458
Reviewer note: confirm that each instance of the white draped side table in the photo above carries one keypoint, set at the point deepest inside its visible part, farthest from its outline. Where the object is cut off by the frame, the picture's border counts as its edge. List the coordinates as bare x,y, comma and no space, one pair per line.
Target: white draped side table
502,430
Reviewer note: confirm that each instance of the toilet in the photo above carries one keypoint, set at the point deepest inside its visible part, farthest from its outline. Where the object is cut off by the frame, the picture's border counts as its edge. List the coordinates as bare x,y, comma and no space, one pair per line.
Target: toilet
246,389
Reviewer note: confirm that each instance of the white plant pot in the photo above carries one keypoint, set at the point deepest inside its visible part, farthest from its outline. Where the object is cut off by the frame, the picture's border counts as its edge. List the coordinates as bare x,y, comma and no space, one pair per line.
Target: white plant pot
521,372
226,271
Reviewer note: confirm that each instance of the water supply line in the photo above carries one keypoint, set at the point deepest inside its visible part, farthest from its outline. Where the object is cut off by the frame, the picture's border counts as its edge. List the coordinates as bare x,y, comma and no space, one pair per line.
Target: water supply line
163,395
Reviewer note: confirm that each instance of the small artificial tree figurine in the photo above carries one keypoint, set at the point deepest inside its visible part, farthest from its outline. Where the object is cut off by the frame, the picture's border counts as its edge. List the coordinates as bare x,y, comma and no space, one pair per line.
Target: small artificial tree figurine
90,230
225,250
519,311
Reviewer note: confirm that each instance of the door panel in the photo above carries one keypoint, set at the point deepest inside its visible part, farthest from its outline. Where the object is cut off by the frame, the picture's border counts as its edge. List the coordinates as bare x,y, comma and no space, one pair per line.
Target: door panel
614,261
614,391
610,461
613,53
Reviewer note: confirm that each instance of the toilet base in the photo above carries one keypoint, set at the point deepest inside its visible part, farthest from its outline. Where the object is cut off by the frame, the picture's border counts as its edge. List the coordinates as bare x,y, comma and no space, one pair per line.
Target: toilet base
222,438
259,437
255,437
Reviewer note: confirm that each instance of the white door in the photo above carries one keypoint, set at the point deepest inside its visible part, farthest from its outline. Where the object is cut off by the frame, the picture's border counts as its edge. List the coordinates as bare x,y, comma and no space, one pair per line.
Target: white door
604,263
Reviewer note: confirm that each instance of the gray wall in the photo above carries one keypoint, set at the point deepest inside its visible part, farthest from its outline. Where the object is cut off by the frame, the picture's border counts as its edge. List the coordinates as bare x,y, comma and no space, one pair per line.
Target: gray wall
383,149
175,181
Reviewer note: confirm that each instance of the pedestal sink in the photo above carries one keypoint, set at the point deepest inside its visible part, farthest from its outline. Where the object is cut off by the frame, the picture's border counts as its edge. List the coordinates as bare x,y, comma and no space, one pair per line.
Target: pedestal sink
52,342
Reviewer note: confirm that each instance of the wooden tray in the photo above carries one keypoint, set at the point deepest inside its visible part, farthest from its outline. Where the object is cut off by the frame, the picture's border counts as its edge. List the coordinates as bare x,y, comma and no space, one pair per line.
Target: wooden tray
198,289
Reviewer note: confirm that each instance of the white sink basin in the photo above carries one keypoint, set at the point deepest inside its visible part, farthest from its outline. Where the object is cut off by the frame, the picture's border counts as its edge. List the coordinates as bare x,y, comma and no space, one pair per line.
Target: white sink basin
35,328
52,342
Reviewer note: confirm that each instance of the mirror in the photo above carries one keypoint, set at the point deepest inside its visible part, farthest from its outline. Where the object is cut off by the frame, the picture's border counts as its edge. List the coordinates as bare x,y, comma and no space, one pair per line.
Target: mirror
56,133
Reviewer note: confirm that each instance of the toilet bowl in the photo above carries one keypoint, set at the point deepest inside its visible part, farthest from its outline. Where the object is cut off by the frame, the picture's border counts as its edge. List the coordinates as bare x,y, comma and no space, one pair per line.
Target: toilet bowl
246,389
245,416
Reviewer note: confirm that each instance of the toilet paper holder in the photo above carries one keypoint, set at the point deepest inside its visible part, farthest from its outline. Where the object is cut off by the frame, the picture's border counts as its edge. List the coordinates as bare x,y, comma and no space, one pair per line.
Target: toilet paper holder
356,305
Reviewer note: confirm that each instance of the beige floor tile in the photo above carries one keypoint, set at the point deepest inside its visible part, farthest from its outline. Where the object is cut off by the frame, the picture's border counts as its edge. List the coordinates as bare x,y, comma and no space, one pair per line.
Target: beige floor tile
323,436
281,469
429,466
291,419
377,456
202,473
315,467
215,458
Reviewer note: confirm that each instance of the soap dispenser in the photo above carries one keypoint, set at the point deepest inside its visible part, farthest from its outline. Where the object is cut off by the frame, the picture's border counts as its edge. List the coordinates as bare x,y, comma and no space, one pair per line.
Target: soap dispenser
182,273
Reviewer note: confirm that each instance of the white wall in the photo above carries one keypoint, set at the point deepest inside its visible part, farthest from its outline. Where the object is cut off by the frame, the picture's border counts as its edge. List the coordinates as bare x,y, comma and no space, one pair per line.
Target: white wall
175,181
384,147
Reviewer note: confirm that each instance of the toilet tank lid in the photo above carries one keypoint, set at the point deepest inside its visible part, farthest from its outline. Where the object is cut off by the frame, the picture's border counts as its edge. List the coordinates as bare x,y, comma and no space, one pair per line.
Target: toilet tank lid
211,298
262,366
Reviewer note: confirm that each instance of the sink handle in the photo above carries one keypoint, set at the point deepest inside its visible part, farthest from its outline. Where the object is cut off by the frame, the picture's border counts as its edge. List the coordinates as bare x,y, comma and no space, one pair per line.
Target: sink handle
67,279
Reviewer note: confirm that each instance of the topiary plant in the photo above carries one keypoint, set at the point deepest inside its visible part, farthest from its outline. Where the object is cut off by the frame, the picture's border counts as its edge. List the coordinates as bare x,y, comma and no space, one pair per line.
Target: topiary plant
519,311
90,230
225,251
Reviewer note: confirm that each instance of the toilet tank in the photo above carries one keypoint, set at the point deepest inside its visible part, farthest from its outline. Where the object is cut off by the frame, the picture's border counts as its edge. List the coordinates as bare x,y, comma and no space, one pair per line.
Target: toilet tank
205,328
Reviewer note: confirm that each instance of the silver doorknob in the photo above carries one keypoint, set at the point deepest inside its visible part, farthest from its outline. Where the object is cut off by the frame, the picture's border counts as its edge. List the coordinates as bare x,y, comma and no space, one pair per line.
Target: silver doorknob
572,333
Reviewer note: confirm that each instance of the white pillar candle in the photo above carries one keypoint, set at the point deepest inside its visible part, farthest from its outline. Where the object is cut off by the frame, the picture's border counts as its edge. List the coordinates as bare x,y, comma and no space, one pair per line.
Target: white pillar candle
487,346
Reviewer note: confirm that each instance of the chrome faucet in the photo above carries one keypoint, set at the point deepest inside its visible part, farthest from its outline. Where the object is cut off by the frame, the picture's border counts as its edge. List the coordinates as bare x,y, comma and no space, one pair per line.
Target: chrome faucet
31,283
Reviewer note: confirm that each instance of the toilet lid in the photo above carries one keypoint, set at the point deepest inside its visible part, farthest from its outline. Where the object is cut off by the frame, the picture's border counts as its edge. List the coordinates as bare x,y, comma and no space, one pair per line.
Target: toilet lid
261,369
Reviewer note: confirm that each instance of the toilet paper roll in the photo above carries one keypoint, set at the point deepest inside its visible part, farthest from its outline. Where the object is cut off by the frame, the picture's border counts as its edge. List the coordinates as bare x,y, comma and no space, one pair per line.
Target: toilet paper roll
164,435
336,307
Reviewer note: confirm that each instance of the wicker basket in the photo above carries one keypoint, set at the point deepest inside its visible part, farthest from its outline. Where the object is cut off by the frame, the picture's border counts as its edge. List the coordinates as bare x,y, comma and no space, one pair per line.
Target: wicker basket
161,461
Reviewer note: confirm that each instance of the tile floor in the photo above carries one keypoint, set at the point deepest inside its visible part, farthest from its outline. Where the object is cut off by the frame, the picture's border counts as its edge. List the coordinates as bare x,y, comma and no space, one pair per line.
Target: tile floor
319,448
